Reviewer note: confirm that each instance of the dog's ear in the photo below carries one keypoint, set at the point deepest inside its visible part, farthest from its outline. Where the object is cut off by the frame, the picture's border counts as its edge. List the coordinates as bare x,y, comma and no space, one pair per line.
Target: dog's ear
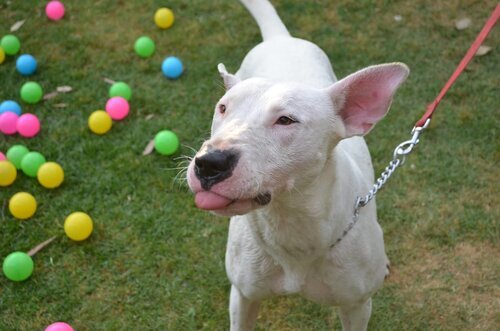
229,79
364,97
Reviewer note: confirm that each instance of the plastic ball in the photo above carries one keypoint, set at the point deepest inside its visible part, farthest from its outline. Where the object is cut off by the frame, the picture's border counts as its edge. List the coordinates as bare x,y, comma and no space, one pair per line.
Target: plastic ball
28,125
10,105
10,44
164,18
100,122
166,142
144,46
31,92
172,67
120,89
31,162
2,55
59,326
18,266
50,175
22,205
8,123
78,226
16,153
2,157
8,173
26,64
54,10
117,108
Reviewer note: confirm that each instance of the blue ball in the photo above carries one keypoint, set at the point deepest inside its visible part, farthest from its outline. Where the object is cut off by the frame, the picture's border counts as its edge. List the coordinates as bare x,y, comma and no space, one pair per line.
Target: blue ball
26,65
172,67
10,105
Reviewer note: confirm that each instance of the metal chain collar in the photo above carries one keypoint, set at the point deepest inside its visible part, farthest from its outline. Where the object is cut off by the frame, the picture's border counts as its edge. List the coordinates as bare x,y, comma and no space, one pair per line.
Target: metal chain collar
398,159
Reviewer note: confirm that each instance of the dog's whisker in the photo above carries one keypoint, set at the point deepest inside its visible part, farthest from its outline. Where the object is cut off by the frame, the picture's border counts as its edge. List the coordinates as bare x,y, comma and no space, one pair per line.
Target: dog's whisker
183,157
180,178
191,148
175,168
184,163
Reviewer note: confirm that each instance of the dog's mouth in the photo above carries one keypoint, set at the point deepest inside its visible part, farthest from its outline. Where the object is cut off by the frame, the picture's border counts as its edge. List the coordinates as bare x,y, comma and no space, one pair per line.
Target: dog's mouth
209,200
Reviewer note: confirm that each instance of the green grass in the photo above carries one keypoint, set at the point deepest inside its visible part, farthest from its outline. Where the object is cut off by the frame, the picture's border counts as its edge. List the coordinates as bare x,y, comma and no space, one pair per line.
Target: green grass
155,262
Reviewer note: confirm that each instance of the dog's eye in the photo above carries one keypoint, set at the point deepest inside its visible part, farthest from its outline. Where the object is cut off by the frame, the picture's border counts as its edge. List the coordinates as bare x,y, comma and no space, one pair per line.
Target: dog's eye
285,120
222,108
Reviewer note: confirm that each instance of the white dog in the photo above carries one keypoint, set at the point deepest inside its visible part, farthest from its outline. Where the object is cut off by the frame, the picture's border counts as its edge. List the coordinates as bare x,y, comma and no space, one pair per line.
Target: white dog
286,160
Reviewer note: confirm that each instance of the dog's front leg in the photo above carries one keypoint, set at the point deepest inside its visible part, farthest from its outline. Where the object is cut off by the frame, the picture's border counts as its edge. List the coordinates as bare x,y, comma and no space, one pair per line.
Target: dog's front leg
355,318
242,311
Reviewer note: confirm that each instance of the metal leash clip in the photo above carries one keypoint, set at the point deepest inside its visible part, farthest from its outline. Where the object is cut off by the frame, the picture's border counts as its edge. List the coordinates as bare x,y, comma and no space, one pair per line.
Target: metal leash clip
406,147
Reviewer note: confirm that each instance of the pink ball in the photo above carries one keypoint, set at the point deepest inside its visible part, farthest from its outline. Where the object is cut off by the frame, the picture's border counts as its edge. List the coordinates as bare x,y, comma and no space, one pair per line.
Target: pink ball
117,108
59,326
28,125
54,10
2,157
8,122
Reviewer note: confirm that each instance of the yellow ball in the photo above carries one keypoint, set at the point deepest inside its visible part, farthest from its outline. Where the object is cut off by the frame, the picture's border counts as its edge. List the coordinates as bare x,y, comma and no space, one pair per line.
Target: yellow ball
22,205
100,122
164,18
8,173
2,55
78,226
50,175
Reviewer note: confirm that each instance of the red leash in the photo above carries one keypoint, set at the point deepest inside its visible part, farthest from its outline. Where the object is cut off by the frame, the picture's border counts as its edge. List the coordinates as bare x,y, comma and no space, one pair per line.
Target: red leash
462,65
405,148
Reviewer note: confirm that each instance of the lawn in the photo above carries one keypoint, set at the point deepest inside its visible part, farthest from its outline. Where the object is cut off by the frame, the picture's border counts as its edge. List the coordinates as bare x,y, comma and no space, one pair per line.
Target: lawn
155,262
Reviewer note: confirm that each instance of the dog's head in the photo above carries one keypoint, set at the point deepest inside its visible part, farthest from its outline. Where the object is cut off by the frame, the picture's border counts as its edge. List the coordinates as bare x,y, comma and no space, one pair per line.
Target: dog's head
268,138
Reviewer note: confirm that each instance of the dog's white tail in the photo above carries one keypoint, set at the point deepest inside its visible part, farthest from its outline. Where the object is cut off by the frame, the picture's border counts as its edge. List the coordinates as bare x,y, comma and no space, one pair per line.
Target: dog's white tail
267,18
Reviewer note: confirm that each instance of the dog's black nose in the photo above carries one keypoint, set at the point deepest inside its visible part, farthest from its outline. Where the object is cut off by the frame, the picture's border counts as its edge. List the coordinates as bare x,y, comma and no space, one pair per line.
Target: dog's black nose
215,166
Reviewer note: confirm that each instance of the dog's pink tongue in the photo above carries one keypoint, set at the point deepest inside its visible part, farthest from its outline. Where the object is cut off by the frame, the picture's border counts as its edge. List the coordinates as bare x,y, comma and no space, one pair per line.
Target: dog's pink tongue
210,201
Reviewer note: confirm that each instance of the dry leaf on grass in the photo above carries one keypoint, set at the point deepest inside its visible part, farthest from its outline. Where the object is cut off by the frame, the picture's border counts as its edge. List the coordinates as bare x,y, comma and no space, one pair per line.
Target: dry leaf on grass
109,81
16,26
41,246
483,50
149,148
50,95
60,89
61,105
64,89
463,23
150,116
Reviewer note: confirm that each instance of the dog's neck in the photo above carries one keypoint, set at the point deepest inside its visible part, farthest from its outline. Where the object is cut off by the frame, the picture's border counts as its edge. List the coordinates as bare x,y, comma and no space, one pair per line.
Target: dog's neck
303,223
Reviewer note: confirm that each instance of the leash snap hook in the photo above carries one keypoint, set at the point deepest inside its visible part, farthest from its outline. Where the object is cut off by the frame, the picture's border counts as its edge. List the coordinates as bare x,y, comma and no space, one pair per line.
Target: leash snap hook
406,147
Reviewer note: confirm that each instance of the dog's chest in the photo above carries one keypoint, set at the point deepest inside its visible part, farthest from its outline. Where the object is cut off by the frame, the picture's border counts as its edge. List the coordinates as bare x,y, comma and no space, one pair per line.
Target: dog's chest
293,240
300,254
312,281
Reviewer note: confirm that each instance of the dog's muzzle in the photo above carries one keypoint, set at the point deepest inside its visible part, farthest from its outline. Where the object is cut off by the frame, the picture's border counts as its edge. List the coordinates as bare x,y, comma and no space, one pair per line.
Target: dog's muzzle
215,166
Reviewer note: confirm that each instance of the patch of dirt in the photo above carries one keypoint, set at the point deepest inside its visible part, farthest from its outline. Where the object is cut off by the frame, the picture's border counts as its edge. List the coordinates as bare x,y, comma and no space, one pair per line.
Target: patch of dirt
452,283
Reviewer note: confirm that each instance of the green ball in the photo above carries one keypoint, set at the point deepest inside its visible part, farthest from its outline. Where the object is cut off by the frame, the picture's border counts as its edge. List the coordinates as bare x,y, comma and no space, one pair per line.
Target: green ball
10,44
31,92
18,266
16,153
120,89
166,142
144,47
31,162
